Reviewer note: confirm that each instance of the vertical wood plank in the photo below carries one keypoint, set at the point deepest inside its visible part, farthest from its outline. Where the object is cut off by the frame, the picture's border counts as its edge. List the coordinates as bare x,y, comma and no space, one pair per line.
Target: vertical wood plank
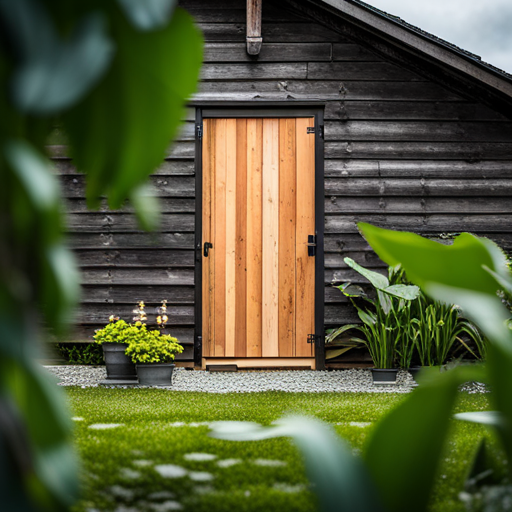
287,221
254,236
241,240
270,234
231,160
219,245
207,263
305,265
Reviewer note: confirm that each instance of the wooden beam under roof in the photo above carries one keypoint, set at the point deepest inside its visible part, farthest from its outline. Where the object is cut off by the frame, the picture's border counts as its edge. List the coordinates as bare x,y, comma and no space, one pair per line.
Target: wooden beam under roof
254,38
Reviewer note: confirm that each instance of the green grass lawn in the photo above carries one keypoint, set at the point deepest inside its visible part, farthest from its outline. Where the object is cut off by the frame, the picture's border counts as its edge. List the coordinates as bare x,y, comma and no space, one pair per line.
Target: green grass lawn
122,466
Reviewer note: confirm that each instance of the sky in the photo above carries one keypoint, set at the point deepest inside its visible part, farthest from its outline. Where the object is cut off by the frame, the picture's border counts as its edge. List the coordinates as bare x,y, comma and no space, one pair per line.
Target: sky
480,27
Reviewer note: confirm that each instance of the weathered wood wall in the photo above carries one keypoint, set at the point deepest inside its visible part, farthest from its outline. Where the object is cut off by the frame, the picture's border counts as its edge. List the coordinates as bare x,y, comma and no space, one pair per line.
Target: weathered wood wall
400,152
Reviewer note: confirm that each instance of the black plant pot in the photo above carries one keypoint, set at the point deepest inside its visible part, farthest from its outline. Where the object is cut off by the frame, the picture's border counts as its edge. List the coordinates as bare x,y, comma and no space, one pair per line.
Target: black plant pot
384,375
155,374
119,365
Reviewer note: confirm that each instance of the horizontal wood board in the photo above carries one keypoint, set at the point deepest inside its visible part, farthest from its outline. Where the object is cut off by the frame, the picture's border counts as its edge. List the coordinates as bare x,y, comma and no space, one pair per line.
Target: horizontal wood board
400,151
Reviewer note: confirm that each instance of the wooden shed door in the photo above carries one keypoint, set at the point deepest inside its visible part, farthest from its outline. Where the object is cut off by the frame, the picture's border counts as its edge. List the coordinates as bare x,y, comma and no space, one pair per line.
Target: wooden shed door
258,210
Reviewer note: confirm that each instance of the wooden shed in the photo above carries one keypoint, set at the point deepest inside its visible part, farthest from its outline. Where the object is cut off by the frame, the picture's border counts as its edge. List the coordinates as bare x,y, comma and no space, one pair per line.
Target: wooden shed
340,113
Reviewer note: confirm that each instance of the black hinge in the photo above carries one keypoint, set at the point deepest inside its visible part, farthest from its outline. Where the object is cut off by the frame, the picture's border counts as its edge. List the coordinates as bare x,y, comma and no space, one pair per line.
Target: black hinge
314,338
199,131
312,129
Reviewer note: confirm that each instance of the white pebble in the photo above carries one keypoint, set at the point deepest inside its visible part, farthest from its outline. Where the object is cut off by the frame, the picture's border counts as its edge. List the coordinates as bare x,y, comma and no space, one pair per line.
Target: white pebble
269,463
129,473
299,381
166,506
200,476
171,471
227,463
199,456
105,426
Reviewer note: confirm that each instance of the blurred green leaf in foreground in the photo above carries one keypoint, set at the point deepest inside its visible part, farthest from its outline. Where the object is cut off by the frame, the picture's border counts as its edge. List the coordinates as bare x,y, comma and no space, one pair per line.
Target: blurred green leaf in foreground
116,75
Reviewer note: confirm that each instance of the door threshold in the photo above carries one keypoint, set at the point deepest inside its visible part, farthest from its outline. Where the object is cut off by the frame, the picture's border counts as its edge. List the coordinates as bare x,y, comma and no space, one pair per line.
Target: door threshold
261,363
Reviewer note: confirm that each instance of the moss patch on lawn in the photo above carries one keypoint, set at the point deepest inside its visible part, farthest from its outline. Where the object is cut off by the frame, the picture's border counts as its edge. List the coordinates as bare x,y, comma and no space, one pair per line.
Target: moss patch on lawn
160,457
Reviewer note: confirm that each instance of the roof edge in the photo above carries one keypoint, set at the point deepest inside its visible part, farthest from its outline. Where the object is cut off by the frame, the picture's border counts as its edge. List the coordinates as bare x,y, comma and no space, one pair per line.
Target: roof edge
413,38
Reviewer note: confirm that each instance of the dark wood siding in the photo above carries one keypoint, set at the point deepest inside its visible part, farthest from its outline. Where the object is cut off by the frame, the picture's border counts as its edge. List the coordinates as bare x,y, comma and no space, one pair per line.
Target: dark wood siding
400,151
120,264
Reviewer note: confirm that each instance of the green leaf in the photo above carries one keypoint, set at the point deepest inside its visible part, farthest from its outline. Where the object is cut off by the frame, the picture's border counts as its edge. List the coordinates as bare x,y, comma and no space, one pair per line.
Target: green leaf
53,73
486,310
411,438
46,420
458,265
147,207
338,478
459,274
150,14
34,173
335,333
333,353
504,282
481,471
402,291
14,448
493,418
60,285
120,132
351,290
367,317
377,280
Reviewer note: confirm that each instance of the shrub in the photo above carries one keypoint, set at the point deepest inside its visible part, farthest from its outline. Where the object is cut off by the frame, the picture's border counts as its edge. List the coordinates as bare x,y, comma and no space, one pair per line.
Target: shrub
151,346
116,331
81,353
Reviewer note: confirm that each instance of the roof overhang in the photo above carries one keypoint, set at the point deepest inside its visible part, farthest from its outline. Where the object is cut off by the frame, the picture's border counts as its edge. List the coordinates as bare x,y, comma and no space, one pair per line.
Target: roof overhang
425,54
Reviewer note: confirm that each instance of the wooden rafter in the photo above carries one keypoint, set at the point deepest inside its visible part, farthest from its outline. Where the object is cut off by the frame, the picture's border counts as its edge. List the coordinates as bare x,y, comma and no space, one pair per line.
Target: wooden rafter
254,38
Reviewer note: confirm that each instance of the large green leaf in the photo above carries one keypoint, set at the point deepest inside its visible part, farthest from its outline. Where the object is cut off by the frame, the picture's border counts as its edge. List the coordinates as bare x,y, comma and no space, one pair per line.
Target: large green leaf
377,280
51,476
120,132
147,207
406,446
339,479
458,265
149,14
57,289
351,290
60,285
15,458
338,332
459,274
403,291
53,73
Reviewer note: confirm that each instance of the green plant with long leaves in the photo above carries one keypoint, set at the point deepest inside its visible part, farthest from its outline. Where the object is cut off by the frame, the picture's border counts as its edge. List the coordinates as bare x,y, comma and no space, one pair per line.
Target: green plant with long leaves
438,326
386,319
413,435
117,74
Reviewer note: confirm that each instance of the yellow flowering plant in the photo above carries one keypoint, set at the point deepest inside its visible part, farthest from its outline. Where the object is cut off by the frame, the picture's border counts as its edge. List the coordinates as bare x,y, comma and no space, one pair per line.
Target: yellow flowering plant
151,346
116,331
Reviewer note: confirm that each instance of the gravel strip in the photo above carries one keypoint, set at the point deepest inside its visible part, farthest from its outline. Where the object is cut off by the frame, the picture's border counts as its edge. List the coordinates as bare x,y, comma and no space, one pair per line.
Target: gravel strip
297,381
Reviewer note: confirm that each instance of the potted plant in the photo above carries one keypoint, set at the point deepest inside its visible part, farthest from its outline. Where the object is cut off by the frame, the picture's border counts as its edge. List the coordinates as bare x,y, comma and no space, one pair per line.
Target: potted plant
153,353
114,339
385,319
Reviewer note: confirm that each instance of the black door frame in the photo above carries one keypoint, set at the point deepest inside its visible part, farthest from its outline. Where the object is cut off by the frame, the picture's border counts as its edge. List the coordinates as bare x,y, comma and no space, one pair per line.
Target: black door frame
262,109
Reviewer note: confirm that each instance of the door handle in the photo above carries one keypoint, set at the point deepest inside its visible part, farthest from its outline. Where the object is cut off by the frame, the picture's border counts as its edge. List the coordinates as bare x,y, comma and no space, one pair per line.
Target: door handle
311,244
207,245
